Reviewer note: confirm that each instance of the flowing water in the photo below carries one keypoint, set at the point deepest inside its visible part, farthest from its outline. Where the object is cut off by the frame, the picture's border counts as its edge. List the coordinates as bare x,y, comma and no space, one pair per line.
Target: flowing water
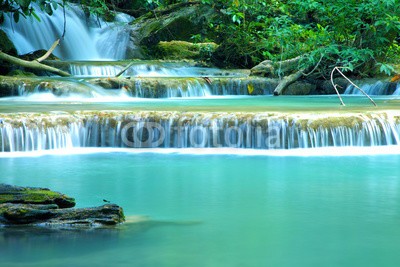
85,38
216,209
374,87
224,177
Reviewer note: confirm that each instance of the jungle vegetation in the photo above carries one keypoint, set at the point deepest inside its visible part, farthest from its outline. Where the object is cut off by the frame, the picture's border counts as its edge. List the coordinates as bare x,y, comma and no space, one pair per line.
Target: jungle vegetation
361,35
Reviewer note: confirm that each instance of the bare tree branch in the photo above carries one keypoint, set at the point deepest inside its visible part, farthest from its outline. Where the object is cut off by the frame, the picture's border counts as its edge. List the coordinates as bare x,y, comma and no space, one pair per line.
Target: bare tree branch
344,76
48,53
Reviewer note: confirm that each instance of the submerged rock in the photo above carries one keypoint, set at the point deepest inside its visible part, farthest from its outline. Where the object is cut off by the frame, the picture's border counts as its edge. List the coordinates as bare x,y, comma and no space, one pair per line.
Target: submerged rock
41,206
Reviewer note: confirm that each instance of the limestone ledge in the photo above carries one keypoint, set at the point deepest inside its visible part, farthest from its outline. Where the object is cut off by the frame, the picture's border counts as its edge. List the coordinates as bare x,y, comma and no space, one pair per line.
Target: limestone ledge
112,118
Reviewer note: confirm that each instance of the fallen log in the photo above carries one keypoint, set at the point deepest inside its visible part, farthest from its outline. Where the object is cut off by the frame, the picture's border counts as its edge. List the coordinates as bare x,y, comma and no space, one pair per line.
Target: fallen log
34,64
288,80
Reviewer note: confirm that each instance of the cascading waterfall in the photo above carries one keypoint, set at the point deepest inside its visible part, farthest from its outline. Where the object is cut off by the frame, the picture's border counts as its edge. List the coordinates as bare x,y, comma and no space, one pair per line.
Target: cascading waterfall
373,87
31,132
190,87
197,87
85,39
51,89
148,69
141,87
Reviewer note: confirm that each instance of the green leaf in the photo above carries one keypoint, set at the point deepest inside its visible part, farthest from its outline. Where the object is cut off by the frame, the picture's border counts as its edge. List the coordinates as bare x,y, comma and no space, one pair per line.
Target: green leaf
23,3
35,15
250,88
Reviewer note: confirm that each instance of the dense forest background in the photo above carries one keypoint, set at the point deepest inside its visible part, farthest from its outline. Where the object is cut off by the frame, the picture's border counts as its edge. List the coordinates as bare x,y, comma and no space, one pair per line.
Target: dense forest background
361,36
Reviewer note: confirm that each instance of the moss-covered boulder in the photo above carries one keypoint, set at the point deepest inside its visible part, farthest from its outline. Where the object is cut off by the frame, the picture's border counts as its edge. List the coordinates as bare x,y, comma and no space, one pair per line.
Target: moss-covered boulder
177,50
33,195
177,22
33,206
300,88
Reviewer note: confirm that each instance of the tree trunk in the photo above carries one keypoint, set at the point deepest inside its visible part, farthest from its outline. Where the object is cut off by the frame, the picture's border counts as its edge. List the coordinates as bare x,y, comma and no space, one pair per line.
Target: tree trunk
34,64
288,80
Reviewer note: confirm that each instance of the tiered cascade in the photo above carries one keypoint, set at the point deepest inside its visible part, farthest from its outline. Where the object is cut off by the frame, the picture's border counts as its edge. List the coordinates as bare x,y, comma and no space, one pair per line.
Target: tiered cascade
31,132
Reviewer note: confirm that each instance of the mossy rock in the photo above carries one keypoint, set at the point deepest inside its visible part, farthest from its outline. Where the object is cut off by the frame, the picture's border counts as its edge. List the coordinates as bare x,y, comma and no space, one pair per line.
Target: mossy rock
21,73
6,45
177,24
33,195
51,215
178,50
300,88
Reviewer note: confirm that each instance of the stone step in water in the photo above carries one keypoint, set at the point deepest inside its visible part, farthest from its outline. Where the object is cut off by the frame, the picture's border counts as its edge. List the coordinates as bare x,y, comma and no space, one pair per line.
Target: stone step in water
157,129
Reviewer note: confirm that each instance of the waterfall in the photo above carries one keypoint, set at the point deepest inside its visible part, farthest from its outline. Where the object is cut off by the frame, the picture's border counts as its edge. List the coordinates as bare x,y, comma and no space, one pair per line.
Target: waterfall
372,87
55,88
31,132
85,39
194,87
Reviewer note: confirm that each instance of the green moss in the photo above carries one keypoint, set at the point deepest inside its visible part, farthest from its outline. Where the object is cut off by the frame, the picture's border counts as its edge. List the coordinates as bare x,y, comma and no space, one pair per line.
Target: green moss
21,73
177,50
36,196
5,198
29,196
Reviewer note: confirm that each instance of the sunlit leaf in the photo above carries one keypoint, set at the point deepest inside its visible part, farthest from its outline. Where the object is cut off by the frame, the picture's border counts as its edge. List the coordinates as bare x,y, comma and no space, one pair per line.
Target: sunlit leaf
250,88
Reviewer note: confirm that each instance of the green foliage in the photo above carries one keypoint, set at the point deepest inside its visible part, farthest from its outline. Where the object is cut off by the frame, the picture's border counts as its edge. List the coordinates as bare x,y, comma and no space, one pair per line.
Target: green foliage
24,8
354,34
360,35
97,8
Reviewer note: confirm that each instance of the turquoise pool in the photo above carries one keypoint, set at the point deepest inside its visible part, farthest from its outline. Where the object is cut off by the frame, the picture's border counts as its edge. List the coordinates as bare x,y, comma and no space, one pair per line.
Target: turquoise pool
223,209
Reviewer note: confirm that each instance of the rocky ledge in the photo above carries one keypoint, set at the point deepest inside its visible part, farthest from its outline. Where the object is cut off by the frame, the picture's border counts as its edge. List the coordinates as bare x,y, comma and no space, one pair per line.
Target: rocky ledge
41,206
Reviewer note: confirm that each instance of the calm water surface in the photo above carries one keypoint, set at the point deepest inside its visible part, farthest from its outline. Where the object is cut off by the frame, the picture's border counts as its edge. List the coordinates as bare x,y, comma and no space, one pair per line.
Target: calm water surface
328,103
216,210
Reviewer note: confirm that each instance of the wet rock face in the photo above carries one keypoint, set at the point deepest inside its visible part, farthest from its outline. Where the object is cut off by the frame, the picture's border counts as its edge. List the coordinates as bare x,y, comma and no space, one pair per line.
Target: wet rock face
300,88
33,206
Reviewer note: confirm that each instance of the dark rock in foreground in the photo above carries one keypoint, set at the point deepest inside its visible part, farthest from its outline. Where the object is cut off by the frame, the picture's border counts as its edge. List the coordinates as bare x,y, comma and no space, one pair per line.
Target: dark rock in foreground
34,206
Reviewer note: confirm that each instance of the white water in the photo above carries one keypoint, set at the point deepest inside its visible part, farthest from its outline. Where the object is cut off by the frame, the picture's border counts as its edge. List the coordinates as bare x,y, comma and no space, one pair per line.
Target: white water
60,89
374,88
85,39
35,132
300,152
149,69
